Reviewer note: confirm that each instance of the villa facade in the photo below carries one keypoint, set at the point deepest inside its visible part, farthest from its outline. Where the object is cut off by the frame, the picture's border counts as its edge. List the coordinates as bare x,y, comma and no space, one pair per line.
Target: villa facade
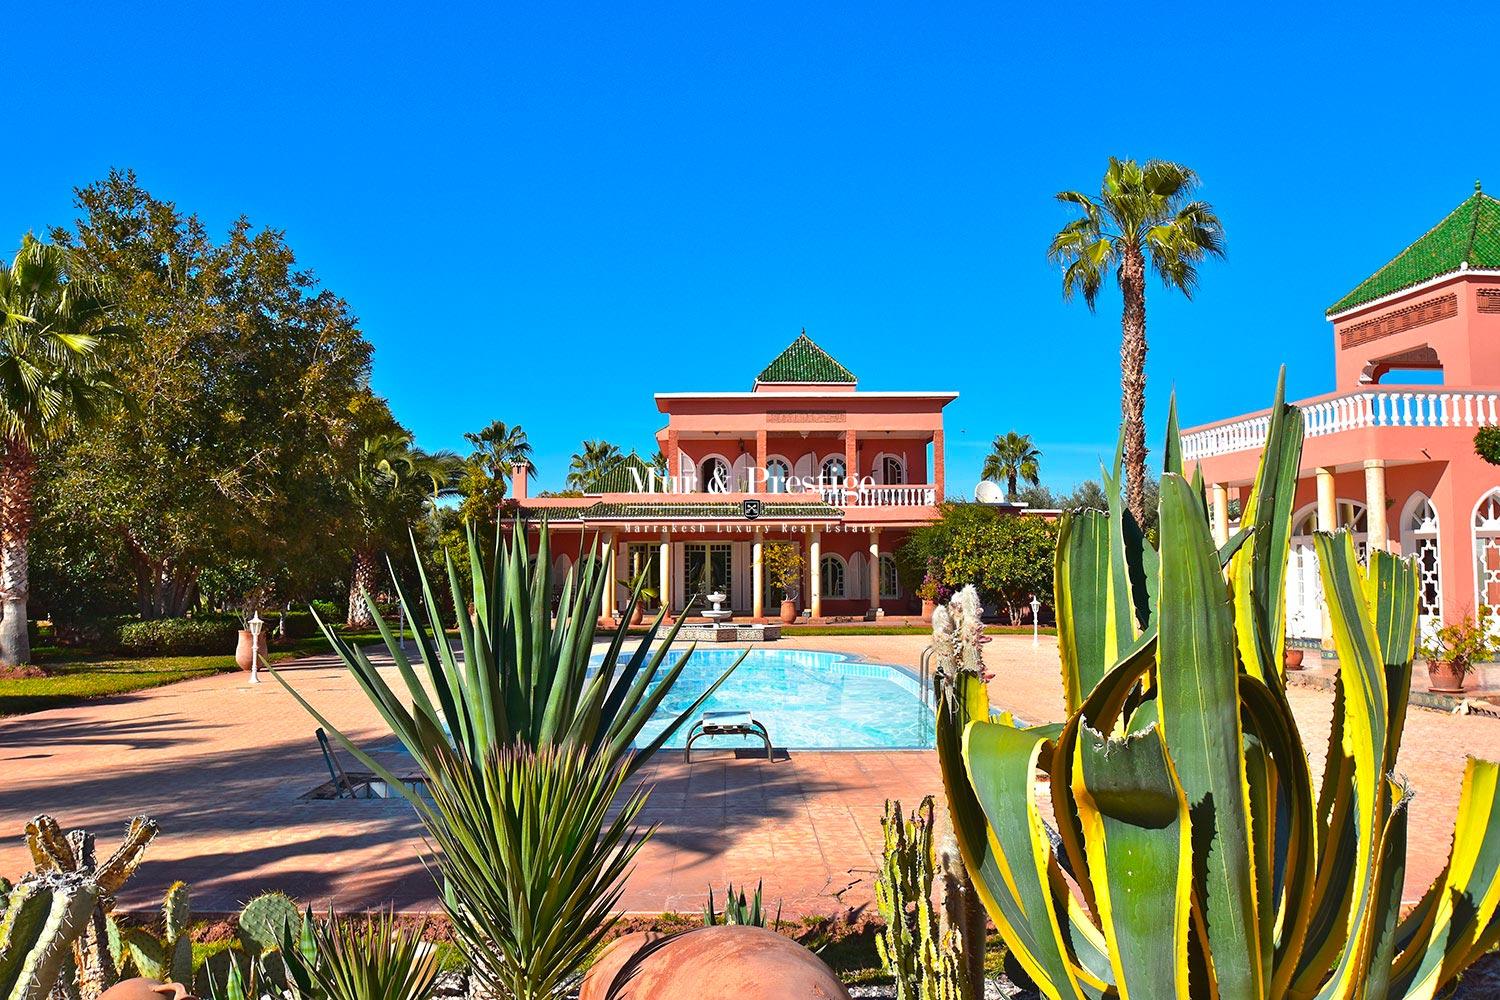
1390,453
804,457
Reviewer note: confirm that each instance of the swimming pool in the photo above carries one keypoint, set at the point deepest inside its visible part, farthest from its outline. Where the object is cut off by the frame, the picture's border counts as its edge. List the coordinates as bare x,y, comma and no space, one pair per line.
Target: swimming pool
808,699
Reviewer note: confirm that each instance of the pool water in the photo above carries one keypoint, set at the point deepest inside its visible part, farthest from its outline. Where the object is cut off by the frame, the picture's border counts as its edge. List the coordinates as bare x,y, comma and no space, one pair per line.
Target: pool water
808,700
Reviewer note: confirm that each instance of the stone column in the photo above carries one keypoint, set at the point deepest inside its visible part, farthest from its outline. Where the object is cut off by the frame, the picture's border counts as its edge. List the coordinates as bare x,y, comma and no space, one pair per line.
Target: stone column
851,459
815,573
1378,532
1221,513
935,475
664,571
1328,520
874,569
758,575
760,462
609,575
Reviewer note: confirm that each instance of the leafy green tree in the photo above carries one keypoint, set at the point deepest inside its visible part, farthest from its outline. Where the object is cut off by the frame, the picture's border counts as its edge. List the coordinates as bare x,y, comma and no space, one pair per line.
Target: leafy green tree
485,475
245,375
591,464
1013,456
1008,557
1143,210
56,324
1038,497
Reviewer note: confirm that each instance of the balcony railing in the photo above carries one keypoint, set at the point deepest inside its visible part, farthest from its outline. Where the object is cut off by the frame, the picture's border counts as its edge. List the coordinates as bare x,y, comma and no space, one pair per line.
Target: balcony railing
1376,408
880,496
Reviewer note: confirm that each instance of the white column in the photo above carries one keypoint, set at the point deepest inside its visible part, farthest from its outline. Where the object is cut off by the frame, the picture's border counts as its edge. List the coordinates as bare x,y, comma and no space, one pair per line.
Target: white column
757,575
1378,531
664,571
1328,520
1221,513
609,575
874,569
815,572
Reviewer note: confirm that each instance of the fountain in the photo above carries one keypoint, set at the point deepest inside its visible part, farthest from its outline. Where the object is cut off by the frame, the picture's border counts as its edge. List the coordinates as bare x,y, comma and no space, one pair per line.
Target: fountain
718,614
721,626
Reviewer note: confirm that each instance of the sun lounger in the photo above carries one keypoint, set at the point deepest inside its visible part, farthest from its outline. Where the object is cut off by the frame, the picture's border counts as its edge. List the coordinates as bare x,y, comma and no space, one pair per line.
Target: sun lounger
726,724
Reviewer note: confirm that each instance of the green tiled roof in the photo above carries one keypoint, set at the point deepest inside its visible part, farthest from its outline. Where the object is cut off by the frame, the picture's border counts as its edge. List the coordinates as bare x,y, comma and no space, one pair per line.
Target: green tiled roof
805,361
619,480
1470,234
681,511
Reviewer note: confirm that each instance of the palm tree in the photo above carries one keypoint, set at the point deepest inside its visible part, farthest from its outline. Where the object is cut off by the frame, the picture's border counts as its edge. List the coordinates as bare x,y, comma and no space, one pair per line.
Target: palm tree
1012,456
1143,210
499,447
590,465
55,323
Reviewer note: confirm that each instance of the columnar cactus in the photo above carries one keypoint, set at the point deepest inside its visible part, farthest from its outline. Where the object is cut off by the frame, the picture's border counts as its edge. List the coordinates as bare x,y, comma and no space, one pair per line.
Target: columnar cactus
45,916
922,956
170,958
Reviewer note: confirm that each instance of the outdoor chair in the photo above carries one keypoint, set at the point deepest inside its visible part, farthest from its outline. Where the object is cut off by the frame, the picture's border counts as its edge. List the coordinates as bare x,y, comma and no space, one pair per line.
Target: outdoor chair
726,724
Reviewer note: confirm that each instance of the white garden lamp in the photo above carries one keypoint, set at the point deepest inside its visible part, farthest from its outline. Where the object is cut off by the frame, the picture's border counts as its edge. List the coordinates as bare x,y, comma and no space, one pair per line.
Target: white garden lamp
255,626
1036,610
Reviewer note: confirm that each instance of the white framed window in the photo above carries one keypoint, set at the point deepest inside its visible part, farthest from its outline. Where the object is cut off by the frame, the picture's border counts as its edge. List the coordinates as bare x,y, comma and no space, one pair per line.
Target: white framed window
1487,549
1419,538
833,470
890,580
833,575
892,470
713,475
777,474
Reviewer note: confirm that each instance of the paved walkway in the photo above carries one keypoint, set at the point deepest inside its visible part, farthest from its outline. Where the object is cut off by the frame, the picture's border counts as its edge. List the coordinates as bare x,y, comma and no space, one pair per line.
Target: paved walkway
223,765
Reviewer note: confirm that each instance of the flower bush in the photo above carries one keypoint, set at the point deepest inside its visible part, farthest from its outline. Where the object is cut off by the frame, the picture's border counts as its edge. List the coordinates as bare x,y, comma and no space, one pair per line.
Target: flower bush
1464,643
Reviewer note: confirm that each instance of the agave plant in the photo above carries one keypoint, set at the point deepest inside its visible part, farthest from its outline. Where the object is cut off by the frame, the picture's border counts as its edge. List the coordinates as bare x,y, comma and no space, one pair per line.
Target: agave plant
368,959
525,745
1193,855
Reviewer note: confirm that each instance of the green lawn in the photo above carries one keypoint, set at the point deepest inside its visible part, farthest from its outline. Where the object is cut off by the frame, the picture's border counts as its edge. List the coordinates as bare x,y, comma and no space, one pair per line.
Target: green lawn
77,675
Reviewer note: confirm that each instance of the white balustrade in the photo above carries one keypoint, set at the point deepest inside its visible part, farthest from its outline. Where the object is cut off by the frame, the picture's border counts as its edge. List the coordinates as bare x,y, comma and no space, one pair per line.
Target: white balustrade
880,496
1352,411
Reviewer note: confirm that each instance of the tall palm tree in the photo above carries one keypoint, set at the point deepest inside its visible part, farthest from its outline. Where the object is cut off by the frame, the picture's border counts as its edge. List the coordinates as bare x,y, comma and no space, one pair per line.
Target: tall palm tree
499,447
590,464
55,323
1012,456
1142,210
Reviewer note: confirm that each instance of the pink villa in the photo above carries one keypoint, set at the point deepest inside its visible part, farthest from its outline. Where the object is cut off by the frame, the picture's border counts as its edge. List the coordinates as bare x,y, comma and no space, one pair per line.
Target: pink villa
804,457
1390,452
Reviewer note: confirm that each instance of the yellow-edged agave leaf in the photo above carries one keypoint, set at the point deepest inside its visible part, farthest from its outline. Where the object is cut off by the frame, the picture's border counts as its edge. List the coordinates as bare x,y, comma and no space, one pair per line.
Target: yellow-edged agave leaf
1391,592
1135,824
1198,702
1257,572
1362,681
1033,915
1090,616
1379,946
1460,909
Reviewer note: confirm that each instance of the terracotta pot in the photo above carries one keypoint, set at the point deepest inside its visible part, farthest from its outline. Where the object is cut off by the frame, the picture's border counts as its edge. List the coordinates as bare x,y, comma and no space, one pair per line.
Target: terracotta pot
1444,677
928,607
788,612
746,963
638,615
1291,658
242,651
145,989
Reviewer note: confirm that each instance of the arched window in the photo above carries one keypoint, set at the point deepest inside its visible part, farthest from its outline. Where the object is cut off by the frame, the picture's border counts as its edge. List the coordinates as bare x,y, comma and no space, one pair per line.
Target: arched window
892,470
1419,537
1487,549
890,581
832,570
777,474
713,475
833,471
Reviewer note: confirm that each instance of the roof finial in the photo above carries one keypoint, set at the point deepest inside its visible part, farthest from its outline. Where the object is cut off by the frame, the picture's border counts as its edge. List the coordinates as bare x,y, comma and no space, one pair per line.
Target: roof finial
1477,188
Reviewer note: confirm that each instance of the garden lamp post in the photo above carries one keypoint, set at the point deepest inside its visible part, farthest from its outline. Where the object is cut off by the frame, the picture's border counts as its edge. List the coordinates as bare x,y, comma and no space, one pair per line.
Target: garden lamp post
255,625
1036,610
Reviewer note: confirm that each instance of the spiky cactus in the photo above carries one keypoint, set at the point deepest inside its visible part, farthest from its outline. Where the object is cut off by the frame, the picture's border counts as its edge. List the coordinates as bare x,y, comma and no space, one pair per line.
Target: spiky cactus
45,916
170,957
267,920
922,956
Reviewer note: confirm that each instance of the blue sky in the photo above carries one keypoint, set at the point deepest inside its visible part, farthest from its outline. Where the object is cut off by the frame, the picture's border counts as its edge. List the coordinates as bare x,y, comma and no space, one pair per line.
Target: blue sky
544,215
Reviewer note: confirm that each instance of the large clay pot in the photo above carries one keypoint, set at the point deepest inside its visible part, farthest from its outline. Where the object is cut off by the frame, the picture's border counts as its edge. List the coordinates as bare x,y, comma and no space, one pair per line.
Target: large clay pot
638,615
928,607
1291,658
745,963
145,989
788,612
242,651
1444,677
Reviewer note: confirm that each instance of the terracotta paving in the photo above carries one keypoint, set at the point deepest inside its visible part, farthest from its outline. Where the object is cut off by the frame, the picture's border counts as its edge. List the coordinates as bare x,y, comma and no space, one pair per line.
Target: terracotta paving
223,765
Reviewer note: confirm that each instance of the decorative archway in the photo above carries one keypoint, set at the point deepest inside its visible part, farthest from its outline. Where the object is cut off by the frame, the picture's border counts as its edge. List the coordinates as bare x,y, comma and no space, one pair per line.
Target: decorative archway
834,576
1304,584
1487,551
890,469
1419,538
713,474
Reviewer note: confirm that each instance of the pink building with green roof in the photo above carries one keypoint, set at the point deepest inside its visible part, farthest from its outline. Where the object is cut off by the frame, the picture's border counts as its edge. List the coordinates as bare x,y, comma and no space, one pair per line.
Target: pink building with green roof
804,456
1389,452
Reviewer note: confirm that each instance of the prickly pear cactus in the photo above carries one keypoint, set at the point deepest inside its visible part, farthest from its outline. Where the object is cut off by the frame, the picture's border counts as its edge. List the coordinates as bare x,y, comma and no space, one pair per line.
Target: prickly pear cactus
266,920
921,955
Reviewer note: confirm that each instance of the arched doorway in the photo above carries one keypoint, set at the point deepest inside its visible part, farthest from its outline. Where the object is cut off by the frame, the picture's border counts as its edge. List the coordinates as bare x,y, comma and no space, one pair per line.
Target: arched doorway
1487,551
1419,538
1304,585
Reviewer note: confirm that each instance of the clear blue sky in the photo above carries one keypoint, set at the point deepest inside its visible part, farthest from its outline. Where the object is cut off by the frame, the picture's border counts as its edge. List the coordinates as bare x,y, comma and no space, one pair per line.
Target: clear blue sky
543,213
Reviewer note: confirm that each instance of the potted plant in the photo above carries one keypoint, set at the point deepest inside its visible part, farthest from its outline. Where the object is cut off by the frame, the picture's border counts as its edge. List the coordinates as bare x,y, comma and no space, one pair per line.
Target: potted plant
638,615
782,564
1452,650
931,590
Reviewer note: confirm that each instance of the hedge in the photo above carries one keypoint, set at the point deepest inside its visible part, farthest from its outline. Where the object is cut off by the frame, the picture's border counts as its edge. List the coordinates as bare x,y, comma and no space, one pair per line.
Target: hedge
179,636
1487,444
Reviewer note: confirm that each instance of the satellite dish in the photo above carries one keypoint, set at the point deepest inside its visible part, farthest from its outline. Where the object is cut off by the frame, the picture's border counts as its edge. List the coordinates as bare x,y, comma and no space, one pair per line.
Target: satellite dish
988,492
